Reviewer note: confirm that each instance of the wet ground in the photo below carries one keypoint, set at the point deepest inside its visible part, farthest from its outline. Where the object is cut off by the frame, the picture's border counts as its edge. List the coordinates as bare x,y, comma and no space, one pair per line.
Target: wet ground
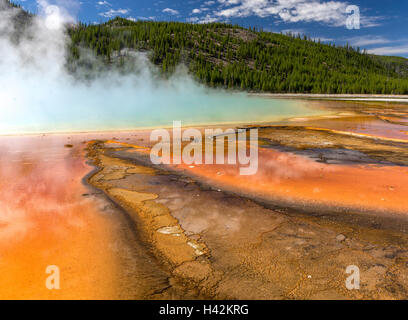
229,247
49,217
330,192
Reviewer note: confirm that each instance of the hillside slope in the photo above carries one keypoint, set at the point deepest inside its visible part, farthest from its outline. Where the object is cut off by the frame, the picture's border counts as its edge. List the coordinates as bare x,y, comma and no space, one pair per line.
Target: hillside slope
21,19
234,57
397,64
222,55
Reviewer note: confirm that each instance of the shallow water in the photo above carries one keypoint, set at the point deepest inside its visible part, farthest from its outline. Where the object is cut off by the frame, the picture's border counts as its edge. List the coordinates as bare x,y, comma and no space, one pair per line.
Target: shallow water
364,125
300,182
134,109
273,246
48,217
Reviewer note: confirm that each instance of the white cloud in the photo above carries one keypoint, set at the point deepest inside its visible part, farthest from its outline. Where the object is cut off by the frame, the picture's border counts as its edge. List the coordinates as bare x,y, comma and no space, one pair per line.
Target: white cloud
369,22
170,11
293,31
390,46
367,41
146,18
55,16
328,12
193,19
197,11
112,13
331,12
206,19
103,3
391,50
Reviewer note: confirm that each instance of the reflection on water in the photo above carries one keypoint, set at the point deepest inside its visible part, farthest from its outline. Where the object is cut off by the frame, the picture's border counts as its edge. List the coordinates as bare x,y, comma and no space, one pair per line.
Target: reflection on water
302,182
48,217
46,221
381,120
365,125
291,177
138,111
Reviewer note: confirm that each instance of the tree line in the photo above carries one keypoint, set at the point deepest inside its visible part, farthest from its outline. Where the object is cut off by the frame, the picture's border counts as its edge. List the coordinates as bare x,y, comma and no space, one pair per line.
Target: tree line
229,56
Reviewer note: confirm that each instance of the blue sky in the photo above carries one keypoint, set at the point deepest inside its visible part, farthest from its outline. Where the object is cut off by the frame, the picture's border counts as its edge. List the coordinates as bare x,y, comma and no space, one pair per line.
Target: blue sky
383,25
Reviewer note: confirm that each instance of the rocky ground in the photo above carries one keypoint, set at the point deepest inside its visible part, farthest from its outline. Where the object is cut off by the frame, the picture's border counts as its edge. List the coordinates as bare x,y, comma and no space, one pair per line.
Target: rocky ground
221,245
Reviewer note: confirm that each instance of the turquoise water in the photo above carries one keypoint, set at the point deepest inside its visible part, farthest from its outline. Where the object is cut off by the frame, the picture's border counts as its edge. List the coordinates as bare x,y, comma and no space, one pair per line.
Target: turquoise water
38,95
140,111
98,108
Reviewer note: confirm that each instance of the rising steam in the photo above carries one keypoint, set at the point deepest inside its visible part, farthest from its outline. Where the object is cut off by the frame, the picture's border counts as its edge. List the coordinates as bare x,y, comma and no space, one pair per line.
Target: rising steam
37,93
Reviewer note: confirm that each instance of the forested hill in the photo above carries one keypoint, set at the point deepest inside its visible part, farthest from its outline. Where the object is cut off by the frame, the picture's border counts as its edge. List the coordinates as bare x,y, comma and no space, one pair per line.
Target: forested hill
223,55
21,19
228,56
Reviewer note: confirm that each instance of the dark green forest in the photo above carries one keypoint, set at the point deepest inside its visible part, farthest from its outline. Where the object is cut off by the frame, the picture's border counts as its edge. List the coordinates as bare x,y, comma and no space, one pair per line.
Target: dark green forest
222,55
230,56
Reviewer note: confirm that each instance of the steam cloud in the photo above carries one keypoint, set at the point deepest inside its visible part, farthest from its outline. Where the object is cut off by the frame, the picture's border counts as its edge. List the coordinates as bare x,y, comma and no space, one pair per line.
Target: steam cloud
37,93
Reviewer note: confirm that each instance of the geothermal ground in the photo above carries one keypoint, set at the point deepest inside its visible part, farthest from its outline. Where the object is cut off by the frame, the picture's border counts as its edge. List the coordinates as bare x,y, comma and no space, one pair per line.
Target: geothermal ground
330,192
